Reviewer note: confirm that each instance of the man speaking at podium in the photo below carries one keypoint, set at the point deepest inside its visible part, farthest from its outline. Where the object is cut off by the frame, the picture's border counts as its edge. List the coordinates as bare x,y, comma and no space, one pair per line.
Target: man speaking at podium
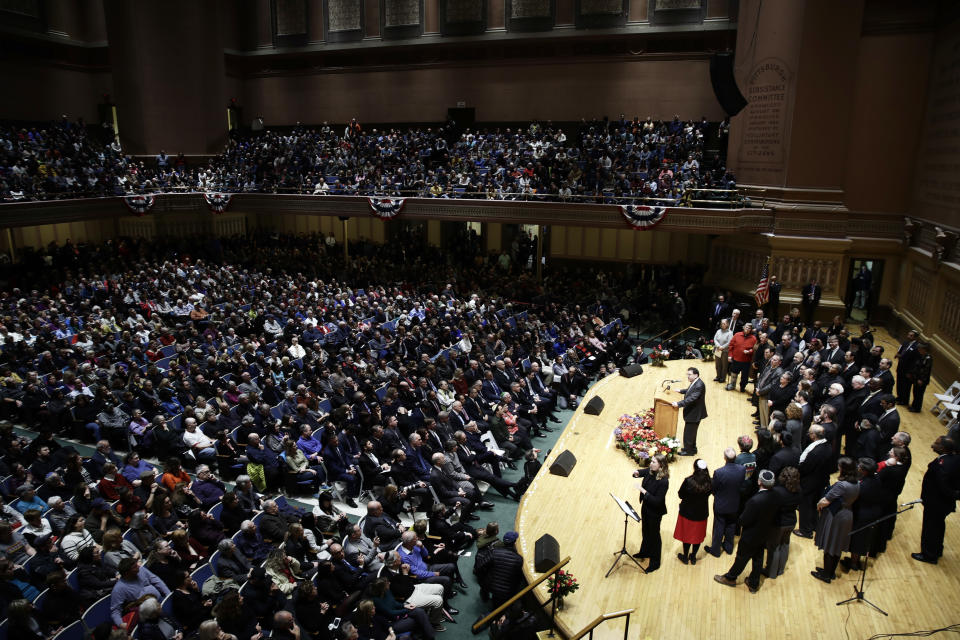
694,405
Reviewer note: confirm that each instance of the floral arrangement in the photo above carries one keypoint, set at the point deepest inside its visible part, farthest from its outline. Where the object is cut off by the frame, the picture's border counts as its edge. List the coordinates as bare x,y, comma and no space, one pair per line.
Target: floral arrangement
636,437
562,583
658,356
707,350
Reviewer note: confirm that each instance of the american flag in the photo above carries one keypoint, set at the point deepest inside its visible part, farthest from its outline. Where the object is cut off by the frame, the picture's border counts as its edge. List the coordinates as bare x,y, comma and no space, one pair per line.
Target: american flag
762,296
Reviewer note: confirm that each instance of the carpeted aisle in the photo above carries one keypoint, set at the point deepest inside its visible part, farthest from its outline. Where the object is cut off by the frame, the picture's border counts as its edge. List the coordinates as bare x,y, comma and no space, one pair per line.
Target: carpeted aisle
505,513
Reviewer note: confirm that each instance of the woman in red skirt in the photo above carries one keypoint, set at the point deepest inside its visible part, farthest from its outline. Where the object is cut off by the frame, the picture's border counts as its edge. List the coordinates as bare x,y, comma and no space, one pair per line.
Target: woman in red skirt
692,520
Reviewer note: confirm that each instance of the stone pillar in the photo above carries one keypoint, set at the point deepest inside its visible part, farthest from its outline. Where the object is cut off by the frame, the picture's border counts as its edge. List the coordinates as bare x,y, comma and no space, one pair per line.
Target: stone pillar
168,65
796,63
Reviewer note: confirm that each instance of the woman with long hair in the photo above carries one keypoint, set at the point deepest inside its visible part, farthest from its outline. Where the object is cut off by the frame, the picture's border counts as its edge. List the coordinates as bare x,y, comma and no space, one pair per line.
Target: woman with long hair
653,506
370,625
283,570
778,544
180,543
836,519
115,549
691,527
234,618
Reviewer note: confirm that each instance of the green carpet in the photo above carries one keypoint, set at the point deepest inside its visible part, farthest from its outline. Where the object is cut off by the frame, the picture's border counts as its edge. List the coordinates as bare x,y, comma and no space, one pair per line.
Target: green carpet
505,513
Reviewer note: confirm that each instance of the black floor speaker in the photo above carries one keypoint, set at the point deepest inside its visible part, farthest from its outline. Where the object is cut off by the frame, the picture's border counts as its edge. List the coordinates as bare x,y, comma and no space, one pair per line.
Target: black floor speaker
564,464
631,370
594,407
546,553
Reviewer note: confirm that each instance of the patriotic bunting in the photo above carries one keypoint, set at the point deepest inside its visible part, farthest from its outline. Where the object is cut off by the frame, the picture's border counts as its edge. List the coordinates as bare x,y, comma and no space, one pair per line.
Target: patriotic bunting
139,205
641,217
386,208
218,202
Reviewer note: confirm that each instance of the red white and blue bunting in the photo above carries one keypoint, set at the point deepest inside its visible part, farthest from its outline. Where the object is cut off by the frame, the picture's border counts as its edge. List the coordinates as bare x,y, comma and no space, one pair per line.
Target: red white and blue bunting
139,205
386,208
218,202
641,217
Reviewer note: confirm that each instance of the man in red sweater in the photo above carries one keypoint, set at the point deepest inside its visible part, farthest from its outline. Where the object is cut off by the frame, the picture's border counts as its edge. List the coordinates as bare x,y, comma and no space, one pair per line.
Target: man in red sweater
741,355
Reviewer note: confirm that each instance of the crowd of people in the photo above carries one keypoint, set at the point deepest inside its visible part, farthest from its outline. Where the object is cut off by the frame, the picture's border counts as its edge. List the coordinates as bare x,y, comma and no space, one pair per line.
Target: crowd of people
274,366
825,404
281,381
624,161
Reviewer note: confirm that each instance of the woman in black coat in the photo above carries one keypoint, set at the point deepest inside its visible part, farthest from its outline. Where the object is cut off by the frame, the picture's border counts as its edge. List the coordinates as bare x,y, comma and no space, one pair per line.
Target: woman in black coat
868,507
893,475
653,494
691,525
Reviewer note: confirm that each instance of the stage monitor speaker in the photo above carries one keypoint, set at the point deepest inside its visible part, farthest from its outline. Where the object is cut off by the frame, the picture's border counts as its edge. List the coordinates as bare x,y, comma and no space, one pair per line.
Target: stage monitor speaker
546,553
594,407
725,84
631,370
564,464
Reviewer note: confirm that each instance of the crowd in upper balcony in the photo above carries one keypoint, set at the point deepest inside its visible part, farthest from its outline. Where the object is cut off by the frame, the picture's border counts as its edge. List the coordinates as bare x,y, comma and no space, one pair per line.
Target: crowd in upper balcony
624,161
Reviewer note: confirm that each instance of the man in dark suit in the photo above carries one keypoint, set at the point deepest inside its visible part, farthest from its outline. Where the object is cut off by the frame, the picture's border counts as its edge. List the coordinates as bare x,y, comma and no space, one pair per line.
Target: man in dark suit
694,410
756,521
379,525
727,481
815,467
907,356
720,311
885,375
889,420
811,298
939,492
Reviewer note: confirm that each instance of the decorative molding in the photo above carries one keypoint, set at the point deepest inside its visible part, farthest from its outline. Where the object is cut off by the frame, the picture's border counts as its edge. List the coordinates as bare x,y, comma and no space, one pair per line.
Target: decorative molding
463,17
530,15
343,20
950,315
797,272
290,23
918,296
674,12
945,243
825,229
601,14
401,19
910,227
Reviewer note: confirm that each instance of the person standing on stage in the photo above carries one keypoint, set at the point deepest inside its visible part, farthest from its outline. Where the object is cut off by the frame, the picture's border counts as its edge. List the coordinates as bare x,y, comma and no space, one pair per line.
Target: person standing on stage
721,344
758,519
741,355
907,356
691,527
939,492
653,494
694,405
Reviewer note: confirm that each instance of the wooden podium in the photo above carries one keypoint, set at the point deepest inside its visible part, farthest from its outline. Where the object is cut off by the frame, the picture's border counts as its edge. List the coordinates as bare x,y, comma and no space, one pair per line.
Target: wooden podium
665,414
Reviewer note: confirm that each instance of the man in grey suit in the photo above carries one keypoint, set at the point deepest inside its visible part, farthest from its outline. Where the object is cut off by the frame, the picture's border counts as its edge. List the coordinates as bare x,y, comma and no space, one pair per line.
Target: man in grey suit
361,551
694,405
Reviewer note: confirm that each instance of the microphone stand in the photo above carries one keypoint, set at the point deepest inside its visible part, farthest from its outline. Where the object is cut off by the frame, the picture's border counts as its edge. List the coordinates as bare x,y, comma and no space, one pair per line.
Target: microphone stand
858,590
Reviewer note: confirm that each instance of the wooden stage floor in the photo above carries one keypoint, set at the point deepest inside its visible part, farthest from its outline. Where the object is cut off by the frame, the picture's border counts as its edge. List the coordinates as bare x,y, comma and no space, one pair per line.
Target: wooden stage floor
684,601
